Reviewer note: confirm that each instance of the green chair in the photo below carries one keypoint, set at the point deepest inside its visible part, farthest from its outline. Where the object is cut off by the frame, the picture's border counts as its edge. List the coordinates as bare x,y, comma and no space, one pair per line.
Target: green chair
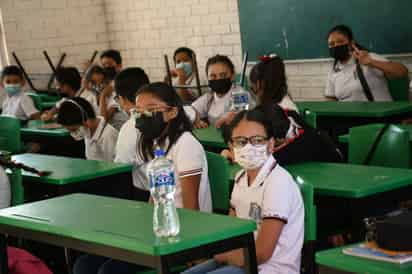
219,181
309,117
16,186
10,134
392,150
399,88
38,103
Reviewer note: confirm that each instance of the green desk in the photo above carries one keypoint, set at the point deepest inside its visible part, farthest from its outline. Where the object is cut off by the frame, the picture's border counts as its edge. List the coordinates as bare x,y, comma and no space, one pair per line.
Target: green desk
334,258
122,230
344,139
49,98
72,175
33,128
210,137
352,192
340,116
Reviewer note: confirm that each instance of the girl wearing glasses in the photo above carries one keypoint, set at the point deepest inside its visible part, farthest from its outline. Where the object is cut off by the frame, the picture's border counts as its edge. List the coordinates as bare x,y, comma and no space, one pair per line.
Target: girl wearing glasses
266,193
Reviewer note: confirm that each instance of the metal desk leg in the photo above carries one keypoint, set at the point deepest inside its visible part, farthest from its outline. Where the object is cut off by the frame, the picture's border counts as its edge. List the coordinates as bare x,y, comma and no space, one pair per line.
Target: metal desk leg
3,255
162,266
250,255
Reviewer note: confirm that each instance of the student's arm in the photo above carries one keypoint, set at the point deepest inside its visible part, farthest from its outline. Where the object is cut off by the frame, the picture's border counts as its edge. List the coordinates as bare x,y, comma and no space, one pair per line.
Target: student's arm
31,112
200,106
267,239
35,116
105,111
49,114
392,70
190,191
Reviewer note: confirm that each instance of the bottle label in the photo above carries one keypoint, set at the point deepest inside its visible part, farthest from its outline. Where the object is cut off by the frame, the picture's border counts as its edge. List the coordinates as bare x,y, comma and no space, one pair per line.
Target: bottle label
240,99
163,179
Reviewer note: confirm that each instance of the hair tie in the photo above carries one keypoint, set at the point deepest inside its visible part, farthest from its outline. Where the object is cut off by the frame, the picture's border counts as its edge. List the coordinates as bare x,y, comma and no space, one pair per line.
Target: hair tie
267,58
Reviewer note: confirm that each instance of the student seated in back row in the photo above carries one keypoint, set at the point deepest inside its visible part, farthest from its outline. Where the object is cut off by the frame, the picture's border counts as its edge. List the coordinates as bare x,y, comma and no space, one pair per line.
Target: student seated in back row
264,192
345,82
77,116
68,82
215,104
17,103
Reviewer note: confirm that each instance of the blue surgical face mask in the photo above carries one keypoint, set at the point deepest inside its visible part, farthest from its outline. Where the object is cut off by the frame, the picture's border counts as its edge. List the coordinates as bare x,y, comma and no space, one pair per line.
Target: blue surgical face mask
12,89
186,66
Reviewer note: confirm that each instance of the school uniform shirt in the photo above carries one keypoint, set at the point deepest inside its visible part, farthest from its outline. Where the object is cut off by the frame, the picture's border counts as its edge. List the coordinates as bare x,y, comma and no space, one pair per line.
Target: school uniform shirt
85,94
126,147
102,145
189,159
91,97
19,105
344,84
273,194
213,107
5,193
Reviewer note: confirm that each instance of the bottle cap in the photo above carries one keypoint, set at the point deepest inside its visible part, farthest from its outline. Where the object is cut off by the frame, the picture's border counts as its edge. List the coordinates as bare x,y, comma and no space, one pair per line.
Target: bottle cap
159,152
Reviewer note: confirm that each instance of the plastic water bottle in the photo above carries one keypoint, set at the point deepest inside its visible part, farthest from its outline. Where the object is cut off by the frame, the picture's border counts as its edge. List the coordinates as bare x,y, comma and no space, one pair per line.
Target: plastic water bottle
161,174
240,99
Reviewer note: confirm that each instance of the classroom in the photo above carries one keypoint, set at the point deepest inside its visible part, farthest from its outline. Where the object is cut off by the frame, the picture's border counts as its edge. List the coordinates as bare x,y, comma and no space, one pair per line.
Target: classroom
205,136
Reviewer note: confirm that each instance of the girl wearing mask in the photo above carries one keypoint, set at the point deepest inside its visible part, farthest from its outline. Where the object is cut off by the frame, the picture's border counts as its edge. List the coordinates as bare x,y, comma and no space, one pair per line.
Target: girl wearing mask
344,81
162,122
264,192
213,105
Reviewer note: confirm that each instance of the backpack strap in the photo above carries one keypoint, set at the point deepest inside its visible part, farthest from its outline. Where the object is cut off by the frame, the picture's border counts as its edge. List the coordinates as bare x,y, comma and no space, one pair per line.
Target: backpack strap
364,83
375,144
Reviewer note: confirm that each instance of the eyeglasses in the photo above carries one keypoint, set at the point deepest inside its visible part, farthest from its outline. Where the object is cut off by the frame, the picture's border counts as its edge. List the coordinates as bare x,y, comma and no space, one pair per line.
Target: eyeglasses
241,141
151,111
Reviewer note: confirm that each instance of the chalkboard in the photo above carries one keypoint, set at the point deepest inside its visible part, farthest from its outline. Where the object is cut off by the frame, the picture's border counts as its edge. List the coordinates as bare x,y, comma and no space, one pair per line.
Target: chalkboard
297,29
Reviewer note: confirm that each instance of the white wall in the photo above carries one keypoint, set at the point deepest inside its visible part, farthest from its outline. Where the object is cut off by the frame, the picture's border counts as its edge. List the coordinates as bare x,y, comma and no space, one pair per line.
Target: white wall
143,30
76,27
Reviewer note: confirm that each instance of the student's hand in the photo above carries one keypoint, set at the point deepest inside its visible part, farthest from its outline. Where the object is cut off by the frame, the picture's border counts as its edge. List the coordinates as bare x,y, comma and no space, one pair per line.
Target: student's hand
107,91
181,76
200,124
226,153
46,116
226,119
362,56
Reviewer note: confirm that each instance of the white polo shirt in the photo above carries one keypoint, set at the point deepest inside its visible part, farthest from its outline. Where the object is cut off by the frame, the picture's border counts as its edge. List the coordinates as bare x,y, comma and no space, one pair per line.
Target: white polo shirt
189,159
5,193
19,105
91,97
346,86
274,194
213,107
126,147
102,145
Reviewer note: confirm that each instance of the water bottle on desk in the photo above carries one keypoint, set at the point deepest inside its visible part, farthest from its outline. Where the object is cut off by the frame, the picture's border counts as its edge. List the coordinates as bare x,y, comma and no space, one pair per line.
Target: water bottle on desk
240,99
161,175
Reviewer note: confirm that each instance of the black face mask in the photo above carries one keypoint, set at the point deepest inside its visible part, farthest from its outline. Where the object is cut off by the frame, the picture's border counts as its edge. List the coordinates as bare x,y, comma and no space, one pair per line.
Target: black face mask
110,72
221,86
340,53
151,127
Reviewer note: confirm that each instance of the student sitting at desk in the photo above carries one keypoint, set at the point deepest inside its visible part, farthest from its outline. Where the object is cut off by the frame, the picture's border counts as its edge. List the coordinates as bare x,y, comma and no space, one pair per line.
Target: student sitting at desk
68,82
127,84
182,74
213,105
109,108
17,103
77,116
94,82
264,192
160,117
346,82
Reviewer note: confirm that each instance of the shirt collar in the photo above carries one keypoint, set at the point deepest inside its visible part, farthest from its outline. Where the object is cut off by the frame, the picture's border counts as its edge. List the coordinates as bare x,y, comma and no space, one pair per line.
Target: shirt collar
349,63
263,173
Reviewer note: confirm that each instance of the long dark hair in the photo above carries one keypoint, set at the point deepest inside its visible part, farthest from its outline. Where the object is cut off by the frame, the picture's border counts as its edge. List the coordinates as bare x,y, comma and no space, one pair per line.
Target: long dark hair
272,74
175,128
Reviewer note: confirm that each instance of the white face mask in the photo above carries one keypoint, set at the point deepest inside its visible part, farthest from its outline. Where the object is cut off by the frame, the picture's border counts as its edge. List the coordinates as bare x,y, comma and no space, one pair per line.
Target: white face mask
79,134
251,157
